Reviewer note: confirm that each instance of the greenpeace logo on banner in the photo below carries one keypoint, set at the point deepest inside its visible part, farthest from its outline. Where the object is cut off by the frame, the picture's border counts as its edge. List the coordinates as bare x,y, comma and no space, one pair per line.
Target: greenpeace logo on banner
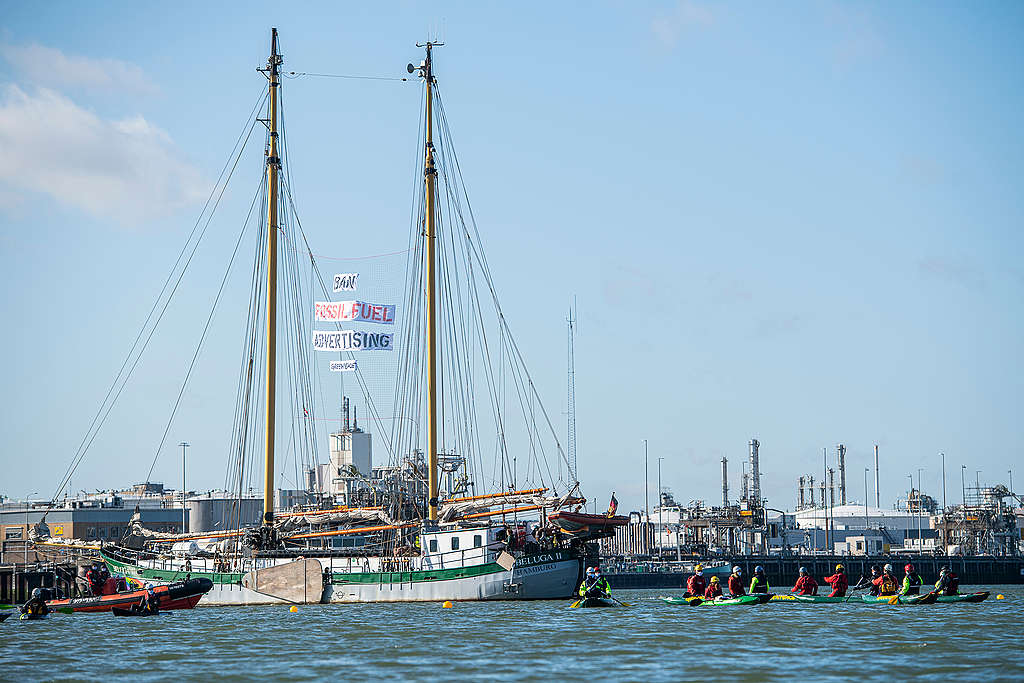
356,311
352,340
343,365
345,282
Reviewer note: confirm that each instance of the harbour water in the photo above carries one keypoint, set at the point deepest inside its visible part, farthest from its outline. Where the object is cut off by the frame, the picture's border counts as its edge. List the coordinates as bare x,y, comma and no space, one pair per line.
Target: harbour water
649,641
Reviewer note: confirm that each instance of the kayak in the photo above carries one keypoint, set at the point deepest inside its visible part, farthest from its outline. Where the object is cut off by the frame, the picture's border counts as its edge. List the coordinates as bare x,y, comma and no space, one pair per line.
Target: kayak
926,599
806,598
178,595
740,600
594,602
121,612
963,597
4,616
32,617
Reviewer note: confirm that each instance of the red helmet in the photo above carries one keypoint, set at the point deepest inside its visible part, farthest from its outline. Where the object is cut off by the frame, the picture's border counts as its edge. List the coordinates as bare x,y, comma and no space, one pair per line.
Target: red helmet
909,568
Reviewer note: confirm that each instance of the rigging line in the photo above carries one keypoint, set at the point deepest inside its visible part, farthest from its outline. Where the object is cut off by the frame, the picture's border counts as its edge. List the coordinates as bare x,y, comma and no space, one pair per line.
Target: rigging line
202,338
300,74
481,258
163,310
370,405
156,303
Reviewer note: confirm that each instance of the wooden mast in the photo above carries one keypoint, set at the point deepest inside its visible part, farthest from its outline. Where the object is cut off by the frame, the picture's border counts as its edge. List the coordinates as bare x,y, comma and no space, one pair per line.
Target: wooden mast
430,173
430,233
273,168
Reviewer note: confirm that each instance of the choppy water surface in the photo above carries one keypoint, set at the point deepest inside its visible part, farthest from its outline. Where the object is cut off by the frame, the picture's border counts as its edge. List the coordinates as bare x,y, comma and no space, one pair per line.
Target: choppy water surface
649,641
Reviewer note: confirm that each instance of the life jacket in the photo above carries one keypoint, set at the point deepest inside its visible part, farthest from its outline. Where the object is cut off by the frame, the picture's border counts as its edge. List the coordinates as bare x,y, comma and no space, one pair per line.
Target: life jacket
954,584
713,590
758,584
736,585
888,585
805,585
696,585
912,584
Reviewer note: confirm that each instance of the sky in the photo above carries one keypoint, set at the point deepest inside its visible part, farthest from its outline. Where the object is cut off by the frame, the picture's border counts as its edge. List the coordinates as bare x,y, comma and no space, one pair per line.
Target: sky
795,222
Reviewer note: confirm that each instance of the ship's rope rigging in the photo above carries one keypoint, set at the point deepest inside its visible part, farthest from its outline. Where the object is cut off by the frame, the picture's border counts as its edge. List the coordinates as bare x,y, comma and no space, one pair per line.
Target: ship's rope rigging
475,339
163,298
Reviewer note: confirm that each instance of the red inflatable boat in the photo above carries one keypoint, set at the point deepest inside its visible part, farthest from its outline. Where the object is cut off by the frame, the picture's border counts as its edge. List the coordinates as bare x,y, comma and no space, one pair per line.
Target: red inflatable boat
178,595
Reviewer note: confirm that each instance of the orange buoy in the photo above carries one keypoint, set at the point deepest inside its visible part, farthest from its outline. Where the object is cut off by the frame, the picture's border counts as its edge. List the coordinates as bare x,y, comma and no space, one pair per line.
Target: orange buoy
293,608
447,604
1000,596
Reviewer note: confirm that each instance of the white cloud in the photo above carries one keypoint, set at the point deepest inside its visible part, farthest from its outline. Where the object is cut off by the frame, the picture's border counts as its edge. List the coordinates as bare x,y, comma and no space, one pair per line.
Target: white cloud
125,170
687,15
50,67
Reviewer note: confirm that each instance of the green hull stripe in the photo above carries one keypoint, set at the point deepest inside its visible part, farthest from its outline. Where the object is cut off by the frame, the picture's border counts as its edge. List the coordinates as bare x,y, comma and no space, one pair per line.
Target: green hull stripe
232,578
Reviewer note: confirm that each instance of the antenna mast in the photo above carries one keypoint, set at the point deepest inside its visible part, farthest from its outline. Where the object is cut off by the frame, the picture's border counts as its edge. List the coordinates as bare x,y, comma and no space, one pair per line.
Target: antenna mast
571,427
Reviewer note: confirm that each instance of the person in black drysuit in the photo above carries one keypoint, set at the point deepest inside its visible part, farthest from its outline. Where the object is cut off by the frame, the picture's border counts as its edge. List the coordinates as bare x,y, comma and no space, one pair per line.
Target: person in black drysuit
36,607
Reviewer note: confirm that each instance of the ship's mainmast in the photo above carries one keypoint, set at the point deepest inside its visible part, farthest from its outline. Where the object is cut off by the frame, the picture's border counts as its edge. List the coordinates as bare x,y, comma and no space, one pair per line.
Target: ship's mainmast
273,168
430,233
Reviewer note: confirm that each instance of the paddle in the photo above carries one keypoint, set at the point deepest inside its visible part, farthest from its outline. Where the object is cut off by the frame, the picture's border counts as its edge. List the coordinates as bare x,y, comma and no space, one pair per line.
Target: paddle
624,604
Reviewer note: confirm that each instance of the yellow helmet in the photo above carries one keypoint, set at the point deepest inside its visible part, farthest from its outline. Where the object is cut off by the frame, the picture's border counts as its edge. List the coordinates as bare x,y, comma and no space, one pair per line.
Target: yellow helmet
839,567
714,579
698,567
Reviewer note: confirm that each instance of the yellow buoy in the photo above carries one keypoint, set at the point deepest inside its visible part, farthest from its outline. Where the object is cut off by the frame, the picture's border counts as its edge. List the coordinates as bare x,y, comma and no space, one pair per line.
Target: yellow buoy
293,608
447,604
999,597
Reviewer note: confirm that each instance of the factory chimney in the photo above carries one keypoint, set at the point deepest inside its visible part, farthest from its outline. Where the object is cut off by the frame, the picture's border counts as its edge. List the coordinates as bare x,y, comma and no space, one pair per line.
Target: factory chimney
755,473
744,484
877,502
831,487
725,482
841,450
344,414
810,488
800,495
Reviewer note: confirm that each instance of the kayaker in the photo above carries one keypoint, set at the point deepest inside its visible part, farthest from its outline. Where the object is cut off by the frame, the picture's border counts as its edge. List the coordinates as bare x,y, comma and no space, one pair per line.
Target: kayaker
911,581
886,583
736,582
839,582
696,584
758,582
948,583
594,585
805,585
876,572
36,607
714,589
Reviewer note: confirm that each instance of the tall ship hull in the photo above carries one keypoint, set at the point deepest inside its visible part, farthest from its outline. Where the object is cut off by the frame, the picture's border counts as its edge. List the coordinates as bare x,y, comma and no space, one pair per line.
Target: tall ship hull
544,575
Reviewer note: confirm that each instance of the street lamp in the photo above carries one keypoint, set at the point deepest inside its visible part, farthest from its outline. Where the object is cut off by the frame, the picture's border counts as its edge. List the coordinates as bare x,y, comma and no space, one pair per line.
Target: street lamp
184,445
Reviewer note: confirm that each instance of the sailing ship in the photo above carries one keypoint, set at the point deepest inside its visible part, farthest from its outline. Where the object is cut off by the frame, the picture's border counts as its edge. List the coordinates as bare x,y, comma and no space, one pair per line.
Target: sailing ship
412,541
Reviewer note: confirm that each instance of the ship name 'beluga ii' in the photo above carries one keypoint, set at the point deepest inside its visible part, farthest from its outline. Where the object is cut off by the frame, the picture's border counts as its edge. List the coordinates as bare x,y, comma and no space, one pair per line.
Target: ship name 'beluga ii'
459,408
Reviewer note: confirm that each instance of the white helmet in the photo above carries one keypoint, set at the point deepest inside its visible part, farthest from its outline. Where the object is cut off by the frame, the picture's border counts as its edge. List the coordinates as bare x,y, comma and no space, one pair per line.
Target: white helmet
887,568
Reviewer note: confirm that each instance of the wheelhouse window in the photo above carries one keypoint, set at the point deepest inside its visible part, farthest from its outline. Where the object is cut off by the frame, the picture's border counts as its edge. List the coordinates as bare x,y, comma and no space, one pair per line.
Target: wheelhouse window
433,545
455,542
478,540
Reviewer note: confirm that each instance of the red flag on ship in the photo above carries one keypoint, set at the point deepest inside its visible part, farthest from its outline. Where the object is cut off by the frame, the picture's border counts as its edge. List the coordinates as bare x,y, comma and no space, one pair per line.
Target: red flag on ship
613,505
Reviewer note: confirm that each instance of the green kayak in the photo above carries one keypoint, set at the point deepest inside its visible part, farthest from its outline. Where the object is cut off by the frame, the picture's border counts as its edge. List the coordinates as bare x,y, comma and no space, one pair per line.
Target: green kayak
740,600
806,598
594,602
963,597
926,599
